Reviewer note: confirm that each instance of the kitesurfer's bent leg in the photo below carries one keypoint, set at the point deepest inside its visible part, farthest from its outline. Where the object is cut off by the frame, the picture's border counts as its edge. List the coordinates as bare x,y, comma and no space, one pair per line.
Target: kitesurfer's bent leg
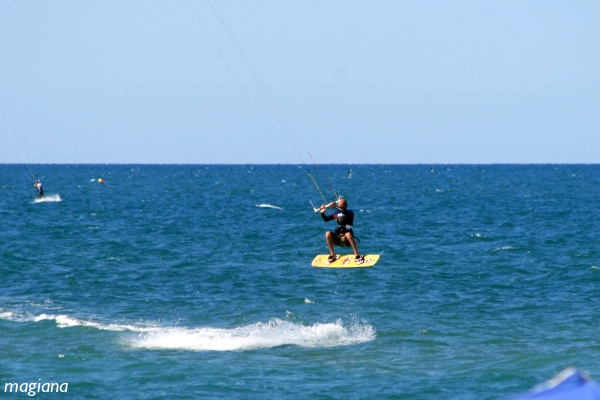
329,240
350,239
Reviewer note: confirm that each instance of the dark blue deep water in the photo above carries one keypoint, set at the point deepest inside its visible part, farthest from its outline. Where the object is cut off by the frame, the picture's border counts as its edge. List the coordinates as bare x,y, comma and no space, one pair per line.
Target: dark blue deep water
194,281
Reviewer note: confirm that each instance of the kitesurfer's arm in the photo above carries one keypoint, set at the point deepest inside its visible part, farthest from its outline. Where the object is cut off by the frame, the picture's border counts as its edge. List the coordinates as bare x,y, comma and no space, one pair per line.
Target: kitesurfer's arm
323,215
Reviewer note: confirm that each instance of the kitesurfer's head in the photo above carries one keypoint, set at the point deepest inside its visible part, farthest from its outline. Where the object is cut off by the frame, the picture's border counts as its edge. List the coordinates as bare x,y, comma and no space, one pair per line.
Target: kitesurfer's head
341,203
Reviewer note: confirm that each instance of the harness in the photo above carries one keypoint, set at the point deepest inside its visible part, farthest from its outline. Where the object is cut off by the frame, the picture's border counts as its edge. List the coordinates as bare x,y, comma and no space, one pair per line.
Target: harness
341,231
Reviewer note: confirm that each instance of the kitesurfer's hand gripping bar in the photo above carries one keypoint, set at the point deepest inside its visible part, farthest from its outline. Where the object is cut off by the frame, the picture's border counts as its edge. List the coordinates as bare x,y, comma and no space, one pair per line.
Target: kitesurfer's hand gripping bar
315,209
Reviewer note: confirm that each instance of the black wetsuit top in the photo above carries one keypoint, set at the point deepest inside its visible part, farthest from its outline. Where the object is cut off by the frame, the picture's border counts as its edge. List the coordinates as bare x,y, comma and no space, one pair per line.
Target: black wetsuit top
344,218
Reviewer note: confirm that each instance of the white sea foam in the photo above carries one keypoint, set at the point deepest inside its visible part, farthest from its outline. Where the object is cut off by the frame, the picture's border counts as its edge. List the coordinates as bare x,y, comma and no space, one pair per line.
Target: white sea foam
268,206
255,336
503,248
259,335
48,199
6,315
65,321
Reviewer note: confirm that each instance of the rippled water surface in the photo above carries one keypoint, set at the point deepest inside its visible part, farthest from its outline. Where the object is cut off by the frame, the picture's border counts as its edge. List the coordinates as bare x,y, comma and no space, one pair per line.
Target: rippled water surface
194,281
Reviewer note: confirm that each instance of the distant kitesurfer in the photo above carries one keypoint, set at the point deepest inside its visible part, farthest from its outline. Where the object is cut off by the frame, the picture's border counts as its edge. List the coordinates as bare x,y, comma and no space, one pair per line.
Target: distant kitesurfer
343,235
40,189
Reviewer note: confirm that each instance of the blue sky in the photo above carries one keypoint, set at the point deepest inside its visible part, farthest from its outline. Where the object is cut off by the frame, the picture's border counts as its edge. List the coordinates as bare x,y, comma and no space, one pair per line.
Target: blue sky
356,81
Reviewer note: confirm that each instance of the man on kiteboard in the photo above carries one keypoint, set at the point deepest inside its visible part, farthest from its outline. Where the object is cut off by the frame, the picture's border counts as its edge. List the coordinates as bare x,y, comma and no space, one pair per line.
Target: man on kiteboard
40,189
343,235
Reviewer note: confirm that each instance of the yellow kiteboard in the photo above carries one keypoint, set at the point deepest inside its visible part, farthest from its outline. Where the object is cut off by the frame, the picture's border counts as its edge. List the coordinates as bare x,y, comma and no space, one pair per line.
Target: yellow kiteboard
345,261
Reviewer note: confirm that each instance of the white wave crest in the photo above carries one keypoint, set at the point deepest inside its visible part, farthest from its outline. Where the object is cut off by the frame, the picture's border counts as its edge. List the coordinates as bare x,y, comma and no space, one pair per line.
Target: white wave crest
495,249
255,336
269,206
6,315
65,321
260,335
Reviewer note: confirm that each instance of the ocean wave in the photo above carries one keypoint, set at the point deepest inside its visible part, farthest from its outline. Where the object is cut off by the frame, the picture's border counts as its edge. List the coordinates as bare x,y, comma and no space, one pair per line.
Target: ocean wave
65,321
268,206
259,335
495,249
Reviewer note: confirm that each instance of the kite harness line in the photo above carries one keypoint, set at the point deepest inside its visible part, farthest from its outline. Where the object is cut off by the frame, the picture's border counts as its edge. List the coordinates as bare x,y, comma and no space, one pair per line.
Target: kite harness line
270,100
35,179
337,197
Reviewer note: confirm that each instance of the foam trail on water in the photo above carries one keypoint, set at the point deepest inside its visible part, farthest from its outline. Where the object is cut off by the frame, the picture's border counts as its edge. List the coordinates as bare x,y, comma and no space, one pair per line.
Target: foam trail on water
255,336
48,199
65,321
259,335
268,206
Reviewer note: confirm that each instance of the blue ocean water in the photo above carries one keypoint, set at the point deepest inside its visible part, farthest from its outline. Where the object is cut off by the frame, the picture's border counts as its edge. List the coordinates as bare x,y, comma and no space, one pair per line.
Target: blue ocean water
194,281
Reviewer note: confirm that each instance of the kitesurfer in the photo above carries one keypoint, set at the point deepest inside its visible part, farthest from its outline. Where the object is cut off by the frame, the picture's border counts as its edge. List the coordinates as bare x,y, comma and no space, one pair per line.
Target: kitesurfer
343,235
40,189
